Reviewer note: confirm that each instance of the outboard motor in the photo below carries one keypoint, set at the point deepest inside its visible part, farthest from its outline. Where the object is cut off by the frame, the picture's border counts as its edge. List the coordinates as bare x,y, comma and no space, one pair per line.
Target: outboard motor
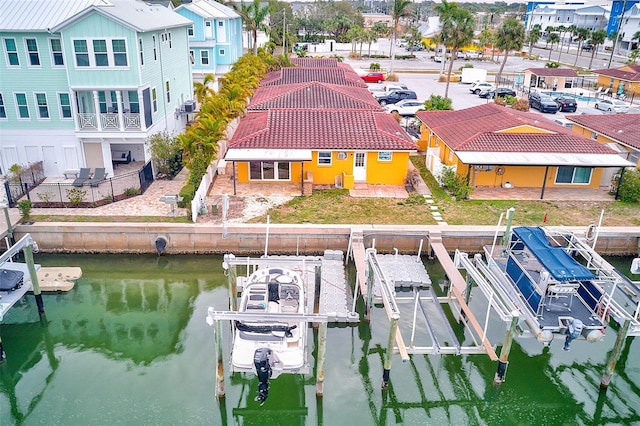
573,332
262,363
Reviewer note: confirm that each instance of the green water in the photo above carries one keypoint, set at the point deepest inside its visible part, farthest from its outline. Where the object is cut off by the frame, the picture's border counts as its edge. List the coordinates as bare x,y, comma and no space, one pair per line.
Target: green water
130,346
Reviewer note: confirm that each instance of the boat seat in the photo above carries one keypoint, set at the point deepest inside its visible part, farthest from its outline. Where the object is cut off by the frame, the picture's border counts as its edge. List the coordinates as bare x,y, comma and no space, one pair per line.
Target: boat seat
273,307
289,309
255,307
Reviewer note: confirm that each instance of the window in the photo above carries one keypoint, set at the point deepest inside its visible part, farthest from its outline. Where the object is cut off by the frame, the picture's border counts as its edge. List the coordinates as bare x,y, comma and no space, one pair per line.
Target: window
134,104
220,23
154,99
3,111
594,136
43,107
204,57
56,52
12,52
155,51
81,52
21,104
169,40
65,105
119,52
141,51
192,57
385,156
100,53
268,170
578,175
190,31
102,102
221,52
32,50
168,90
324,158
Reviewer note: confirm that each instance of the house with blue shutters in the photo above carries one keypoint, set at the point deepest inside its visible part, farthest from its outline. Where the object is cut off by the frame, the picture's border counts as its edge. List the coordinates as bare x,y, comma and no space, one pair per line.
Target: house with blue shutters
85,82
215,37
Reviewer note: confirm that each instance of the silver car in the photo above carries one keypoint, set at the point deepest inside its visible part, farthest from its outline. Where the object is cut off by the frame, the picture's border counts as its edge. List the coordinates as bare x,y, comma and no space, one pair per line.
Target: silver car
612,105
406,108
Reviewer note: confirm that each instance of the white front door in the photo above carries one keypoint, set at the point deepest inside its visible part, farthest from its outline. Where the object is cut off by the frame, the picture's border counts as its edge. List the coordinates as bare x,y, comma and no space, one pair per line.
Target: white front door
360,167
50,162
208,30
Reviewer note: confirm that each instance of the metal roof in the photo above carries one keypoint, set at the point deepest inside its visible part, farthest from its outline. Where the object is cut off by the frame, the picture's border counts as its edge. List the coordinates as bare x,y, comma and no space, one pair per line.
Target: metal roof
543,159
40,15
52,15
210,9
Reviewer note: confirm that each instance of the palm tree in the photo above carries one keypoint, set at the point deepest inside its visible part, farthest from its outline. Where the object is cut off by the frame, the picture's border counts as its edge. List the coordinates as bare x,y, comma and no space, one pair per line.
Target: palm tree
253,15
533,37
573,31
552,38
401,8
635,36
202,90
456,33
486,38
548,32
510,36
444,11
597,38
581,35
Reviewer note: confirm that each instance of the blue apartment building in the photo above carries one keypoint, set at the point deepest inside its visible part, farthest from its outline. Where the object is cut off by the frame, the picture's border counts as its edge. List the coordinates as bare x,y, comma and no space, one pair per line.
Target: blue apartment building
83,83
215,36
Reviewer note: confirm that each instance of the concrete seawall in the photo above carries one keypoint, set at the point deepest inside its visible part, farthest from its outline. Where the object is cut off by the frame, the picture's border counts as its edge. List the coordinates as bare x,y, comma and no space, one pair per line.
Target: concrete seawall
55,237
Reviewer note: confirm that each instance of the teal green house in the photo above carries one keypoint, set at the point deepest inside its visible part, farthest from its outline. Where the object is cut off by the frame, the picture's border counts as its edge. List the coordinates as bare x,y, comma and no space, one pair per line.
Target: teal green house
215,37
84,83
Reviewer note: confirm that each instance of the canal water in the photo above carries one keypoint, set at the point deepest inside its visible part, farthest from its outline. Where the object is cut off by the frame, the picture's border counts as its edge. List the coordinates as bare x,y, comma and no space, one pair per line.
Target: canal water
129,346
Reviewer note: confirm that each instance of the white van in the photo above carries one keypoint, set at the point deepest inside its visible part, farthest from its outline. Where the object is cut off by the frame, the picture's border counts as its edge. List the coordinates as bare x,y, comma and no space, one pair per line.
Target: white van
564,122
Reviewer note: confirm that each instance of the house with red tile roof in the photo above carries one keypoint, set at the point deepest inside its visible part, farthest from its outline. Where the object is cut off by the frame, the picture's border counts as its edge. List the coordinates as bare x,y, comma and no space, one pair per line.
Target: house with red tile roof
317,124
622,80
620,131
493,146
548,78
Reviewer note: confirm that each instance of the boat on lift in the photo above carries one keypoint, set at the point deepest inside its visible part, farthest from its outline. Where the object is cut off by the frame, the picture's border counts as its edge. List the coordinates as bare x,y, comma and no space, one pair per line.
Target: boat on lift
270,347
558,294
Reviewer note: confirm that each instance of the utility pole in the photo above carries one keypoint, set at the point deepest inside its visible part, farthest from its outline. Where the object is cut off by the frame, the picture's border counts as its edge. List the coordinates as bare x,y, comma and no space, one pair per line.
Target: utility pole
615,42
284,31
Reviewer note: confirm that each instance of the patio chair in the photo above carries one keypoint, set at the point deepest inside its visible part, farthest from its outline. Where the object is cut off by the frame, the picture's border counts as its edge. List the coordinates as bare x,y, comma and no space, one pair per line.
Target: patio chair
85,174
98,177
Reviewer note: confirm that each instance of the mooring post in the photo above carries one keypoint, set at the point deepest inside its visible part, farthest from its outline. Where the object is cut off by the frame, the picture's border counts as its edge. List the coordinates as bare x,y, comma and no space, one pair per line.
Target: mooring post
322,349
369,304
318,287
232,284
28,257
393,329
615,354
7,219
503,362
219,360
467,297
507,232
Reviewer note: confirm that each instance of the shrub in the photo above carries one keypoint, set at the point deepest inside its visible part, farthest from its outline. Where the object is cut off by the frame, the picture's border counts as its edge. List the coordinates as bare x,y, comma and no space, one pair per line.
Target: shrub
466,66
500,101
552,64
438,103
414,200
456,185
393,77
187,193
374,66
130,192
25,207
521,105
44,196
354,55
76,195
629,190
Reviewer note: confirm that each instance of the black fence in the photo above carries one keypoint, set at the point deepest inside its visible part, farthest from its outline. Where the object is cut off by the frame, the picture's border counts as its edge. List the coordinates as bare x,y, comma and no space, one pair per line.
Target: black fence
65,194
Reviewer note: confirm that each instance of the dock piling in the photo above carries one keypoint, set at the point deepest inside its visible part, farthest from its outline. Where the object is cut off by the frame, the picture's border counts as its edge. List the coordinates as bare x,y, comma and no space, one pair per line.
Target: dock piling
322,349
615,354
503,362
219,361
28,257
386,372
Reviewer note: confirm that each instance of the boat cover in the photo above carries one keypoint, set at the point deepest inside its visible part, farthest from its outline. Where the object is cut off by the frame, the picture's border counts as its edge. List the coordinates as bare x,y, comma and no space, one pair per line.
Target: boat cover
555,260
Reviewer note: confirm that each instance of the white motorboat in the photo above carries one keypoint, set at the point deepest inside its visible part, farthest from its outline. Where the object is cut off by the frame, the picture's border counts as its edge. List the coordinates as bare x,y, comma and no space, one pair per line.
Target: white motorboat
268,346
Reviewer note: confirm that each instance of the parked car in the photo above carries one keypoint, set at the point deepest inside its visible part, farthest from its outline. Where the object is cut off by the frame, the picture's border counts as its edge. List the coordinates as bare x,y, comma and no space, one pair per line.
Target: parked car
564,122
543,103
406,108
374,77
388,88
587,47
396,96
566,103
480,86
473,54
500,92
461,55
612,105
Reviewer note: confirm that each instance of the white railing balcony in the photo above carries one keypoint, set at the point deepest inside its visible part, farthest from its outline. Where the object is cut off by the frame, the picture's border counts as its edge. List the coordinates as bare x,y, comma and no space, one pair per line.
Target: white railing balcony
109,122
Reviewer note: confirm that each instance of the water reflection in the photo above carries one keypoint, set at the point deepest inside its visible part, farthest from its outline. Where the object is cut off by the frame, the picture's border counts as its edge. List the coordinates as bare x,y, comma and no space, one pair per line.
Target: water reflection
130,344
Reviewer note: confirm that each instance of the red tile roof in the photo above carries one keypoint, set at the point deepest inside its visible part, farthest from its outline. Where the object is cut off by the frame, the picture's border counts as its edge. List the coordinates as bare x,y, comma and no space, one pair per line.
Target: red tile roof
293,75
318,130
624,128
553,72
315,62
627,72
313,95
479,129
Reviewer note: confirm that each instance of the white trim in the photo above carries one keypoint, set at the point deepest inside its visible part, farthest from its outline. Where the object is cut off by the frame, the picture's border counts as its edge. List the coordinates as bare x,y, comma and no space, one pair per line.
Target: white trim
6,52
543,159
555,180
62,117
37,105
26,100
385,160
27,53
4,106
51,53
266,154
92,54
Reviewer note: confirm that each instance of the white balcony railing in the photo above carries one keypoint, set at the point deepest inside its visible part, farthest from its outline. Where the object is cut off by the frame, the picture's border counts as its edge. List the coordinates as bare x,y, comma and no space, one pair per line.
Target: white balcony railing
109,122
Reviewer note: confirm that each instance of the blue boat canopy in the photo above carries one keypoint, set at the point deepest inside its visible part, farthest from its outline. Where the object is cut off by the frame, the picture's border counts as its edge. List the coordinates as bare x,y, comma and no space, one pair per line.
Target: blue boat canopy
555,260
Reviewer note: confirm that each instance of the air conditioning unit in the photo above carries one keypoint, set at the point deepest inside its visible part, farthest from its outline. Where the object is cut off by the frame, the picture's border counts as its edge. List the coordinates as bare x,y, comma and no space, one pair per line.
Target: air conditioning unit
189,106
